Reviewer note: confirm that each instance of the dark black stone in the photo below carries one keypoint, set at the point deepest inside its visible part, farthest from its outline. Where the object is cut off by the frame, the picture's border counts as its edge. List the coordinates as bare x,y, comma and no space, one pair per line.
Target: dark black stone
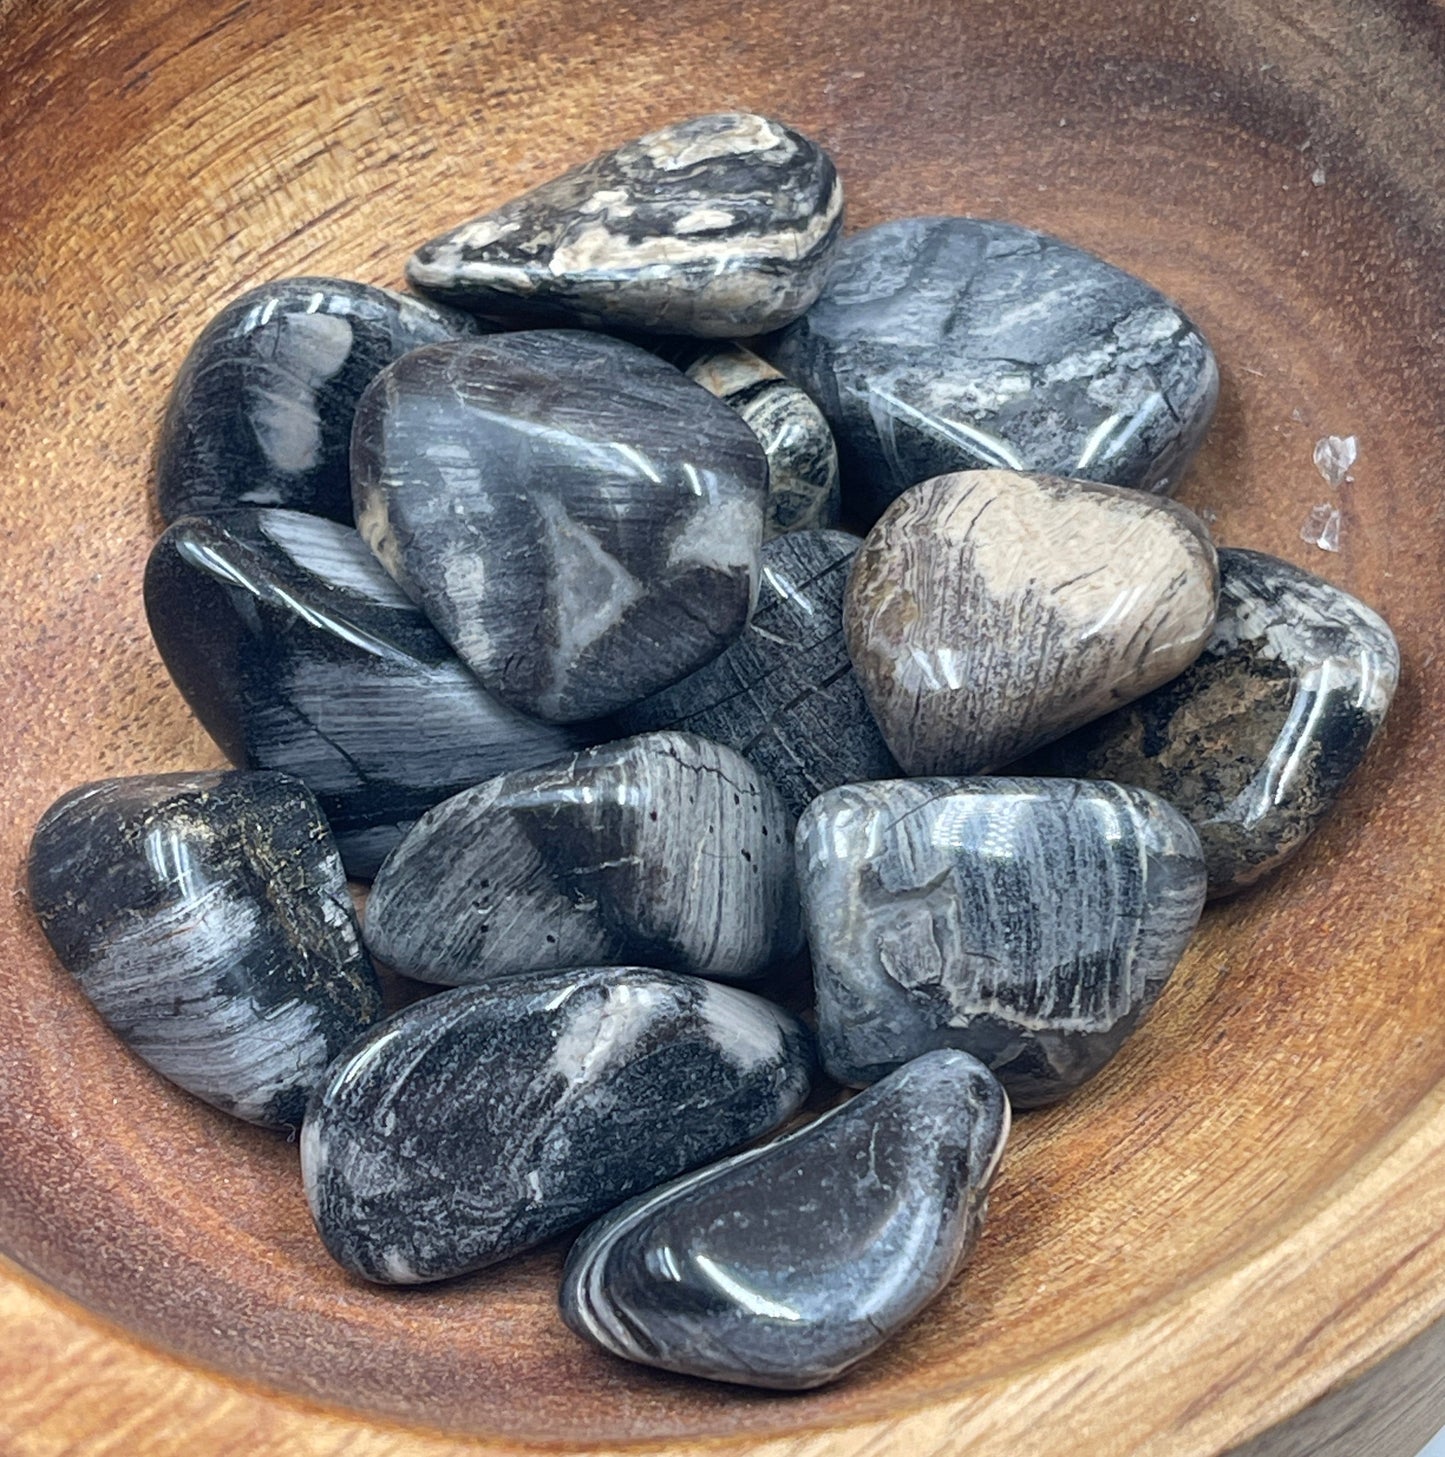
784,694
207,918
298,653
481,1121
580,521
260,414
786,1265
949,344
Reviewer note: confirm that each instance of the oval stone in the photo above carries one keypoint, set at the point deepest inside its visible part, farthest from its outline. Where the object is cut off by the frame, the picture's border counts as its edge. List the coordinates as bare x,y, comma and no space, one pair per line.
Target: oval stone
579,520
207,918
482,1121
786,1265
261,412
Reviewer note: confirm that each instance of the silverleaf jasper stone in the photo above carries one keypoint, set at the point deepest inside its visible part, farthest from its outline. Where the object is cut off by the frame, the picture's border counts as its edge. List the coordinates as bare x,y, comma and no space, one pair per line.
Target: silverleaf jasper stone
261,412
299,653
989,612
721,226
945,344
802,459
1254,741
784,695
477,1123
785,1265
207,918
1030,922
663,850
578,519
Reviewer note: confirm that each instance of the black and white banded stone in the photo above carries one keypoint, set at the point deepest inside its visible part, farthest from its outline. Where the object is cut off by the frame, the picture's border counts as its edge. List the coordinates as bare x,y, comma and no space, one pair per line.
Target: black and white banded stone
207,918
261,412
802,459
948,344
1030,922
1255,740
482,1121
578,518
721,225
784,695
661,850
786,1265
298,653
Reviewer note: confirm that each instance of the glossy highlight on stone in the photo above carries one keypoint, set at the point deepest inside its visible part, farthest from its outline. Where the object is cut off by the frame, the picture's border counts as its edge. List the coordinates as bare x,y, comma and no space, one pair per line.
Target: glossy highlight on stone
1254,741
477,1123
578,519
298,653
261,412
989,612
946,344
661,850
1030,922
786,1265
784,695
721,225
802,459
206,916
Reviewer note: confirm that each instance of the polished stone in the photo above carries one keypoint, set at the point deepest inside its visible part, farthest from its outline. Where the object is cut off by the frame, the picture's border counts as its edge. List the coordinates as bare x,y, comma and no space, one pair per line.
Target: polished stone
802,459
989,612
298,653
578,519
1030,922
947,344
663,850
1255,740
721,226
784,695
261,412
786,1265
207,918
479,1122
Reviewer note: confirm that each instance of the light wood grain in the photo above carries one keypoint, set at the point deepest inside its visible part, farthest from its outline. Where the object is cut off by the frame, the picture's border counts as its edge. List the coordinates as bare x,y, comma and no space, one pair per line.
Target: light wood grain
1234,1236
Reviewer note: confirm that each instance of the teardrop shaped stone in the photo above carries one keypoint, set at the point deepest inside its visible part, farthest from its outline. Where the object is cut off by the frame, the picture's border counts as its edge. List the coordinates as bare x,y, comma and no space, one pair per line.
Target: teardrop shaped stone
786,1265
948,344
479,1122
721,225
261,412
784,695
802,459
1255,740
1030,922
989,612
298,653
662,850
579,520
207,918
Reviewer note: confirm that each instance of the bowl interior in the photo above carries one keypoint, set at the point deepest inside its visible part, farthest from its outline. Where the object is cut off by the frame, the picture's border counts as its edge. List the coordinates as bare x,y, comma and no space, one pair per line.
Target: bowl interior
1273,173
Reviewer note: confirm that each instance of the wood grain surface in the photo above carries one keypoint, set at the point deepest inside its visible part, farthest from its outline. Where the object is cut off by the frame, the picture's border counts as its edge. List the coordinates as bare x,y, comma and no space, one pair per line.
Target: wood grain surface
1232,1241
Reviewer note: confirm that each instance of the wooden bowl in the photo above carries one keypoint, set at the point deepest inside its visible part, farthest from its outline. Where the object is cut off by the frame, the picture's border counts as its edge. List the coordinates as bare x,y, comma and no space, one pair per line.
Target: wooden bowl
1235,1239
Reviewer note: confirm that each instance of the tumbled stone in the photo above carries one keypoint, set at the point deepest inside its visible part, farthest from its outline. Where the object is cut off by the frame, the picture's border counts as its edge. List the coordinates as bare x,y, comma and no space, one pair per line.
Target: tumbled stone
578,519
784,695
721,226
298,653
661,850
206,916
802,459
786,1265
1030,922
479,1122
1255,740
261,412
947,344
989,612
